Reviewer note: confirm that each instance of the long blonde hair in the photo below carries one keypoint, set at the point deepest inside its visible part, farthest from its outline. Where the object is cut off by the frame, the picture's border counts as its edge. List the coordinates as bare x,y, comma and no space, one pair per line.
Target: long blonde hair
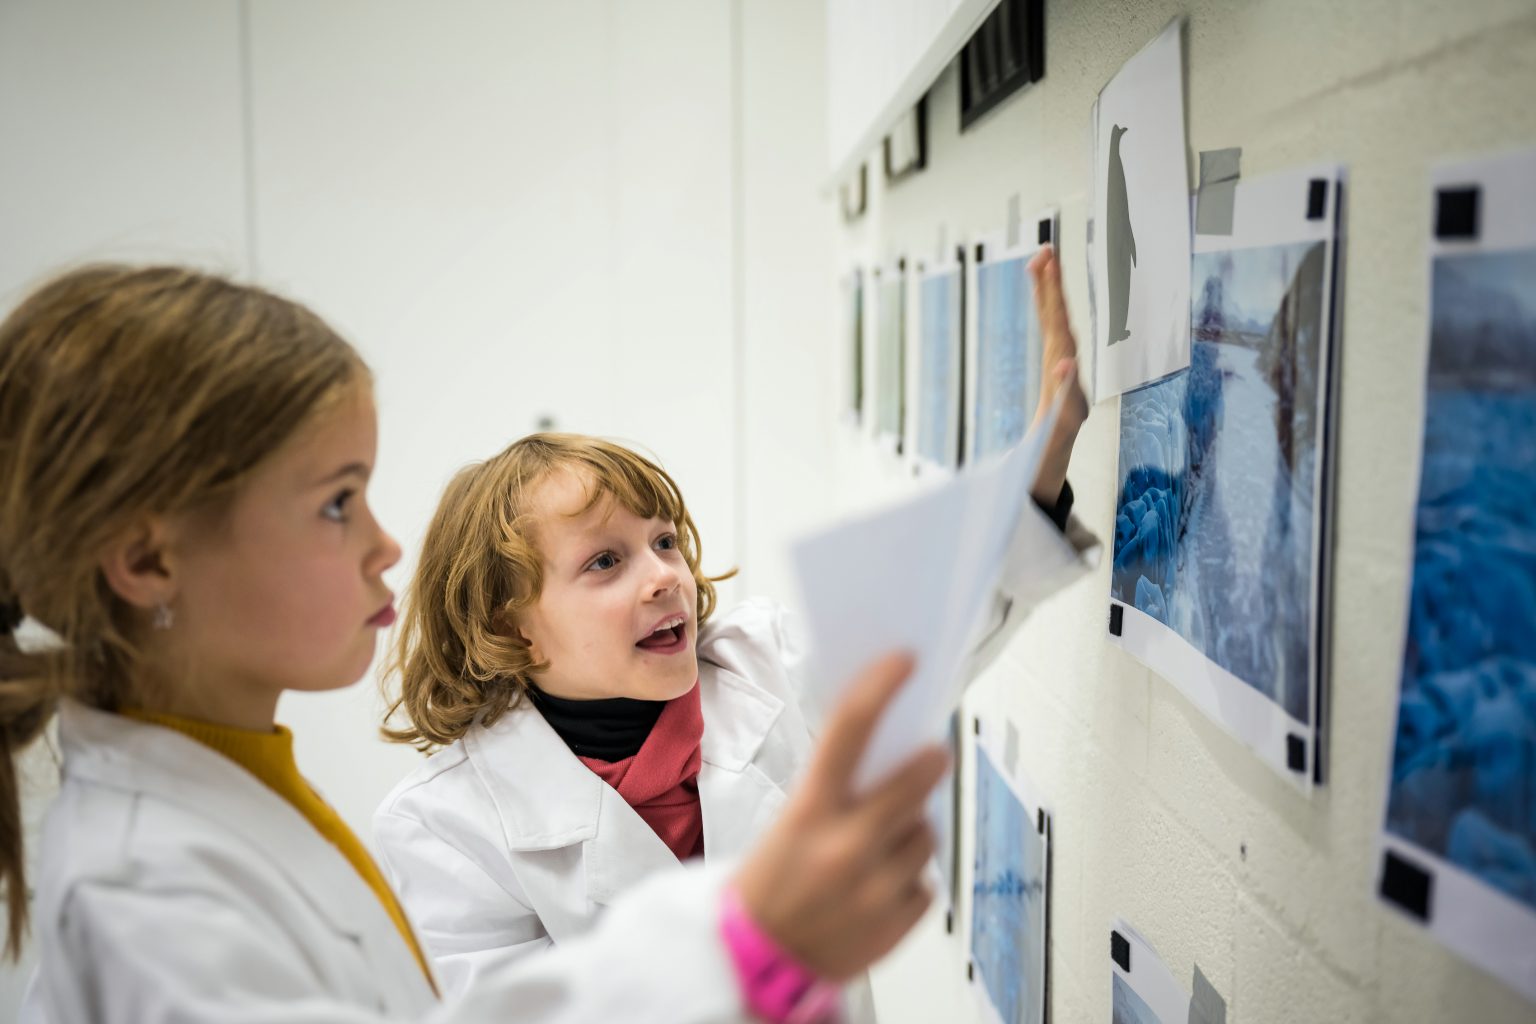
126,392
457,654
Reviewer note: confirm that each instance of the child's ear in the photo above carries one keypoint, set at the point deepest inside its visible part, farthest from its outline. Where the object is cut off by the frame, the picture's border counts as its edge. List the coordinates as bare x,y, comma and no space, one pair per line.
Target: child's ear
137,565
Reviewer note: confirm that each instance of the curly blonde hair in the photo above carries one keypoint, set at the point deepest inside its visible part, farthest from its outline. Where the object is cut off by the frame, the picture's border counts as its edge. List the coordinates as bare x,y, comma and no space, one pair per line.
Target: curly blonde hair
457,654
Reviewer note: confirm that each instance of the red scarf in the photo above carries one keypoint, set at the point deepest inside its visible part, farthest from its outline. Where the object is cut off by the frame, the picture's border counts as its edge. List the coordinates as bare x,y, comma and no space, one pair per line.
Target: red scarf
661,781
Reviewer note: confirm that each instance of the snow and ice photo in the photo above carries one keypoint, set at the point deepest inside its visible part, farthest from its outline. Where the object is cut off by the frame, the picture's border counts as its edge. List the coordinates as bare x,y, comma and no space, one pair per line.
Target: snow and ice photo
1220,540
1142,989
1213,535
1126,1007
891,354
939,367
1008,898
1461,802
1007,380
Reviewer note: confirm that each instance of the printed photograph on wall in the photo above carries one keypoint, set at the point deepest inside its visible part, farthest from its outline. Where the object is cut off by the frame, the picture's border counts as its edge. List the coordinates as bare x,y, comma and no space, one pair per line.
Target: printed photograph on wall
1006,345
1010,888
1220,569
853,345
1142,990
940,370
1460,844
891,354
1138,275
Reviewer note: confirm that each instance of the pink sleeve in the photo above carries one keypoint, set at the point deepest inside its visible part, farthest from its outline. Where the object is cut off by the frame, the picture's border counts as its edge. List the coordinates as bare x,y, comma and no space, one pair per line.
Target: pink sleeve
776,987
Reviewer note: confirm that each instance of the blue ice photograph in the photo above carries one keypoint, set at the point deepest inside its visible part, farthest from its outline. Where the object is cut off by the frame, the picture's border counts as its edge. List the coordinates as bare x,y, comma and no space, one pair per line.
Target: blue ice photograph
853,395
1008,899
938,415
1214,523
1126,1007
1007,354
890,372
1464,763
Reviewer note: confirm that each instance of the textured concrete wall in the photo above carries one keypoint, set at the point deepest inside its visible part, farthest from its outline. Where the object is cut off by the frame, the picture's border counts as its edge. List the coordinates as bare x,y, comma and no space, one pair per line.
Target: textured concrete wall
1160,816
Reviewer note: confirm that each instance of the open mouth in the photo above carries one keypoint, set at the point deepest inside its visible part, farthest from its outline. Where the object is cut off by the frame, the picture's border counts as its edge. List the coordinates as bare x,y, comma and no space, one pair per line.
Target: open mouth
668,638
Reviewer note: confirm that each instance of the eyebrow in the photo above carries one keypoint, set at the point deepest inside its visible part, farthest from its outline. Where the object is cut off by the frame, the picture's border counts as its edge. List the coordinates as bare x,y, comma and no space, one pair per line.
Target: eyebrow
359,469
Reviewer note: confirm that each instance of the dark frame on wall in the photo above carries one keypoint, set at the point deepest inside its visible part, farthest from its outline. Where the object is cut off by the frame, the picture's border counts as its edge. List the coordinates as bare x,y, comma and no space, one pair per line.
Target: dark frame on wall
1004,55
908,153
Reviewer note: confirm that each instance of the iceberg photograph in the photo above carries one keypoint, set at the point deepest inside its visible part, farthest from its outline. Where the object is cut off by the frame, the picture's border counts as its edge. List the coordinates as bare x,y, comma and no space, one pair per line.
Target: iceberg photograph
1215,527
1463,780
1008,919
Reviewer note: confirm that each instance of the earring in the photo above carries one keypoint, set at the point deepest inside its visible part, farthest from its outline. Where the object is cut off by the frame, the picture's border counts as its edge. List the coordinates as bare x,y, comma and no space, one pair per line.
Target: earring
163,618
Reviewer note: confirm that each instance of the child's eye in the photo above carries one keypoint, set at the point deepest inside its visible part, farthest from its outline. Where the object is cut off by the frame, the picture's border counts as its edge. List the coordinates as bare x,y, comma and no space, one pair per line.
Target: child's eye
336,509
667,542
603,562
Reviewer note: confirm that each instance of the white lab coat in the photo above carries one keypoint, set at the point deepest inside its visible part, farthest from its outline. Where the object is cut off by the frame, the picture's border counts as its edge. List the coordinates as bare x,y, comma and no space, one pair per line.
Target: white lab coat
176,888
503,842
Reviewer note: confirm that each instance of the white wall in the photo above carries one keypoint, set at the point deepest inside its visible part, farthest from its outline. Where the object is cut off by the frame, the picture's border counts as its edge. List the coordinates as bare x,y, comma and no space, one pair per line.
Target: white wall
513,210
1160,816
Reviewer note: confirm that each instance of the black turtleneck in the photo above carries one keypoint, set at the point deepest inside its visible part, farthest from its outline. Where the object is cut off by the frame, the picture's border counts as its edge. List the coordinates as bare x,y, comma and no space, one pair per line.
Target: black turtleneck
609,729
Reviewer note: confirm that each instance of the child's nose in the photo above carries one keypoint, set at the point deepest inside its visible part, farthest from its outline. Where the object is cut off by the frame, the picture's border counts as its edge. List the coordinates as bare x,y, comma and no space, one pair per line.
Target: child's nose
666,578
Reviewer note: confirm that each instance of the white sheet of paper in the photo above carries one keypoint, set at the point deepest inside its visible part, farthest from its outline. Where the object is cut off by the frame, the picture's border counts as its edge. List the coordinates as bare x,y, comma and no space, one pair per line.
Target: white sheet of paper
1140,279
914,577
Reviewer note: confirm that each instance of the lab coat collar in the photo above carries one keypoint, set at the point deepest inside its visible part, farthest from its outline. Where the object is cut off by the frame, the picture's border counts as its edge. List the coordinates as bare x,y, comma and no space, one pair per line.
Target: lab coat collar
548,799
124,754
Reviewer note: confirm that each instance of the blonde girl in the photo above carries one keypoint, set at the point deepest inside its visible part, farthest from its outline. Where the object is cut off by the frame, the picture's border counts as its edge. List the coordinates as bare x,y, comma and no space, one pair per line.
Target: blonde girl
593,721
183,475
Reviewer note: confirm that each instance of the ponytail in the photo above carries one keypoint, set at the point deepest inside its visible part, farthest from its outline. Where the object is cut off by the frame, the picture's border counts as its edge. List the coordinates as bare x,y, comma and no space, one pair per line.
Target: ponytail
28,698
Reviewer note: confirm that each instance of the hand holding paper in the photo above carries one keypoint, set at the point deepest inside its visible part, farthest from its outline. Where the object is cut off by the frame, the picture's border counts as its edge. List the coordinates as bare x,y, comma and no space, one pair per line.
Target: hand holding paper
914,577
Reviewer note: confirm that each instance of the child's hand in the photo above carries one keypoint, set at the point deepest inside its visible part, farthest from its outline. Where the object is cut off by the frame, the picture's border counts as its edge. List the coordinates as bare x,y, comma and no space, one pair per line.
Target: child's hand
1058,369
838,880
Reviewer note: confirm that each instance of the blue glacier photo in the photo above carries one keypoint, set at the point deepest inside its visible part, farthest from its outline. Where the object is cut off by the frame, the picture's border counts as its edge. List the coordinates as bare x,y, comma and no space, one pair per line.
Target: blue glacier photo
1126,1007
1008,899
1007,354
1214,528
1464,762
938,387
890,354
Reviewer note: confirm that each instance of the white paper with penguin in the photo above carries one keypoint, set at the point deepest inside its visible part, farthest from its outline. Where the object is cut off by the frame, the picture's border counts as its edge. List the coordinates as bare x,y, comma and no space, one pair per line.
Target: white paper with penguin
1140,271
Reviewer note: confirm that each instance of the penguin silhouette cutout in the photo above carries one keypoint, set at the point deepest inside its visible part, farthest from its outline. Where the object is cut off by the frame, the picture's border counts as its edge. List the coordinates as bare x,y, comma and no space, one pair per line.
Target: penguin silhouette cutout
1120,243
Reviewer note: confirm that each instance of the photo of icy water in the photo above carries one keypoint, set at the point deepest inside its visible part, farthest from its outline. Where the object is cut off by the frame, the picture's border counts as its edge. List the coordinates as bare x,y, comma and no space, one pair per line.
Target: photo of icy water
1008,899
890,354
938,406
1007,354
1126,1007
1214,525
1464,763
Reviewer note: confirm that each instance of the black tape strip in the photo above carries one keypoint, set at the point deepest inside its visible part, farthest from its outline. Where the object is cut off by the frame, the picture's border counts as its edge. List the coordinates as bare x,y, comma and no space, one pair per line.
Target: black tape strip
1407,885
970,972
1457,212
1045,231
1120,951
901,264
949,922
1295,753
981,252
1116,619
976,726
1317,198
1040,822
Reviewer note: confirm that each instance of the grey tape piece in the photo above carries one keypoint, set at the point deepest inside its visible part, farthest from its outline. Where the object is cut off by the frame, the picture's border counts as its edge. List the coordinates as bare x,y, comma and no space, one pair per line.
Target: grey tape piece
1011,750
1219,171
1013,221
941,247
1206,1005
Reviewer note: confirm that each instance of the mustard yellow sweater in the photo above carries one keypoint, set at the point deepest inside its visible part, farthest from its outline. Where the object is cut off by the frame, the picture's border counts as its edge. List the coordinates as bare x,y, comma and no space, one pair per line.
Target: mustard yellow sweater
269,757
